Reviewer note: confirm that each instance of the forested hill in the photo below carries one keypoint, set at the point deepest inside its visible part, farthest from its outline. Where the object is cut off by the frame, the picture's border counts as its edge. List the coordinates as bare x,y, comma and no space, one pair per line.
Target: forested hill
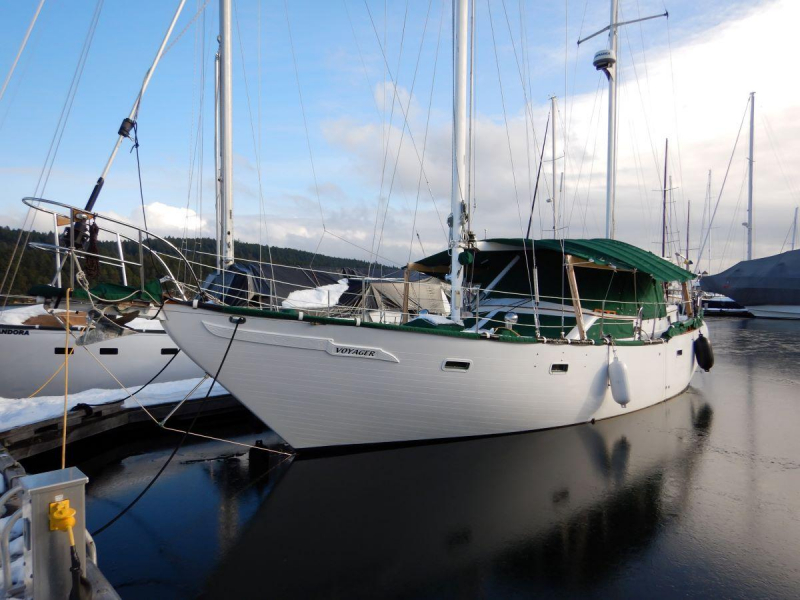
37,265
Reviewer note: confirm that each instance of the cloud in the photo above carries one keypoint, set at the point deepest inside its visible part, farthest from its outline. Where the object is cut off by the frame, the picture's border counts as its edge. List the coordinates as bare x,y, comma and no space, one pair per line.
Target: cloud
694,95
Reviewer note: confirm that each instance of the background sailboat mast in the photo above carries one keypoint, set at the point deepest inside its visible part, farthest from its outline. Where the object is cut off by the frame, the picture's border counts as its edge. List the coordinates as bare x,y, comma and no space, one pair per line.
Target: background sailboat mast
750,179
459,182
555,189
226,131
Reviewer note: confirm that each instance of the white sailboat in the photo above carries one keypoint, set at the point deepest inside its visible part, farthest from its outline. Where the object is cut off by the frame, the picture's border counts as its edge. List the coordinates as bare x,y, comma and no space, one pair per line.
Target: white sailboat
32,336
540,334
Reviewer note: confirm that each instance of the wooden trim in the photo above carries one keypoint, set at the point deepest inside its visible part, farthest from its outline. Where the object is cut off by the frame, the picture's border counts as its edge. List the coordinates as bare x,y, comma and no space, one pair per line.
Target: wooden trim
687,298
576,299
424,269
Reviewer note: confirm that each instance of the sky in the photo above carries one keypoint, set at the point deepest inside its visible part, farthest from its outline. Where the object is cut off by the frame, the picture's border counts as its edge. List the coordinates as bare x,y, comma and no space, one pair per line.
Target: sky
338,104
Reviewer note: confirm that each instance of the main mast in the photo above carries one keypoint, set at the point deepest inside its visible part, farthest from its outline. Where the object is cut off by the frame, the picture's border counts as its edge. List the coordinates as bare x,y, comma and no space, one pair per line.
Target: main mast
750,179
226,132
459,181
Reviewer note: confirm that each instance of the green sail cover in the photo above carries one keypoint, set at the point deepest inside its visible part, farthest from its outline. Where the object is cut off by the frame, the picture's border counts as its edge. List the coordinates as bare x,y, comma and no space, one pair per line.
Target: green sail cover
614,253
598,250
633,283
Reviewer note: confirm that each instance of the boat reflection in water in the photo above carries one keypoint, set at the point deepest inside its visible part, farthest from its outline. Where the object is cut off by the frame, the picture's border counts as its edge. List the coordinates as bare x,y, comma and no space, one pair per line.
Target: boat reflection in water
546,512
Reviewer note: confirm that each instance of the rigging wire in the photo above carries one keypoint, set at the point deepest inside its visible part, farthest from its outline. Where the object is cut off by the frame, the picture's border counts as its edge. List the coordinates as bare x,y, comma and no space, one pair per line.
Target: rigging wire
196,149
734,219
724,179
256,149
21,49
388,130
511,157
598,95
538,172
402,132
405,115
52,152
303,111
380,116
186,28
675,110
790,186
425,138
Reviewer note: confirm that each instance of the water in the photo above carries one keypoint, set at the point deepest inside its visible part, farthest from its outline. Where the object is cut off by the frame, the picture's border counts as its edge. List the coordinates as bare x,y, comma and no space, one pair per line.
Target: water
699,496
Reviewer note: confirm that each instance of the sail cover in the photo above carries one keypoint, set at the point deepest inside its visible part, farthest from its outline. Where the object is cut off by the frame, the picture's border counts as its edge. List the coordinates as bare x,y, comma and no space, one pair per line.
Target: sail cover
601,251
773,280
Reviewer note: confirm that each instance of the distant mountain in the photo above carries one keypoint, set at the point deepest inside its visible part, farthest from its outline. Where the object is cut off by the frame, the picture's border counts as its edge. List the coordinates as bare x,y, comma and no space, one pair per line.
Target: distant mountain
37,265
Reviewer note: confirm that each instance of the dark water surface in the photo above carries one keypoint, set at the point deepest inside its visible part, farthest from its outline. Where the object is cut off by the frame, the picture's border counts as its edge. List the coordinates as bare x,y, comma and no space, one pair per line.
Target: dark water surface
699,496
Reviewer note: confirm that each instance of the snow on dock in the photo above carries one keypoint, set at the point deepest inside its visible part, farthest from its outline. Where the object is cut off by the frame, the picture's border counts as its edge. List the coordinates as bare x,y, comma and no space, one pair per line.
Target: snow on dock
17,412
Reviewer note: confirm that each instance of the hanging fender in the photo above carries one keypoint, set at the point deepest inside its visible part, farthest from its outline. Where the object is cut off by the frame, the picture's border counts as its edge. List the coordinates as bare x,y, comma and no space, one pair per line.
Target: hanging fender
620,386
704,353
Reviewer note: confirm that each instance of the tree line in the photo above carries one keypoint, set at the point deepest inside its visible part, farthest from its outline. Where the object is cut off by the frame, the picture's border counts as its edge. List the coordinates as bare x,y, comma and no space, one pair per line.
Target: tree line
37,266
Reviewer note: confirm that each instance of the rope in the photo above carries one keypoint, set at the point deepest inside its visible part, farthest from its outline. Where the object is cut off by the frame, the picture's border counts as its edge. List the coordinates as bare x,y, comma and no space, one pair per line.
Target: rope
44,385
178,445
66,385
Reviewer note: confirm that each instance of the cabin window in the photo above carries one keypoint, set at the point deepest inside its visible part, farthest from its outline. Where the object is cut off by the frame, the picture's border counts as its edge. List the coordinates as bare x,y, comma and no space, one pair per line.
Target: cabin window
558,368
680,352
455,364
169,351
60,350
109,350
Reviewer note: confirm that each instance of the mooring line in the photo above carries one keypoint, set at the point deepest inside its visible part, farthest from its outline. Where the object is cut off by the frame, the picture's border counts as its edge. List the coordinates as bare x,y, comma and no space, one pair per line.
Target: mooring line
156,421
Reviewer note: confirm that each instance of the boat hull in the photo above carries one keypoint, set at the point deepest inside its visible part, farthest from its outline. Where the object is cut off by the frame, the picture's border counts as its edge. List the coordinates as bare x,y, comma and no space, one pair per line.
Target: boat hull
296,378
29,355
772,311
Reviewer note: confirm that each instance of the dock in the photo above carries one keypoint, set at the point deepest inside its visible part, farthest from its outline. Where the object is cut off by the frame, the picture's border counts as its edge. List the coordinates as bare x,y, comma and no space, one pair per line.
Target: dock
23,442
86,421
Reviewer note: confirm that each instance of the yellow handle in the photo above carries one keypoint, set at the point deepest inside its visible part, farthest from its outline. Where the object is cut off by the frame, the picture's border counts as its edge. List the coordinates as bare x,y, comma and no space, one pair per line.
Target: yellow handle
62,518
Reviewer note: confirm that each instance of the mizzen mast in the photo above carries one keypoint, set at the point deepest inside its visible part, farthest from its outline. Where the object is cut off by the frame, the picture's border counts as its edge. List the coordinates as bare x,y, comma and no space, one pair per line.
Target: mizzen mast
606,61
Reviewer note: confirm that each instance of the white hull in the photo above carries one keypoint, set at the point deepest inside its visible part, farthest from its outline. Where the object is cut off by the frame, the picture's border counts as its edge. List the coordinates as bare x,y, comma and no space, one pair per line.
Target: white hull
296,378
774,311
28,358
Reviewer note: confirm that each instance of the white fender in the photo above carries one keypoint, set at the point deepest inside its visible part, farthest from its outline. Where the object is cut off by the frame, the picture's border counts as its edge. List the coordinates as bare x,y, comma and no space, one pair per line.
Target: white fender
620,388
